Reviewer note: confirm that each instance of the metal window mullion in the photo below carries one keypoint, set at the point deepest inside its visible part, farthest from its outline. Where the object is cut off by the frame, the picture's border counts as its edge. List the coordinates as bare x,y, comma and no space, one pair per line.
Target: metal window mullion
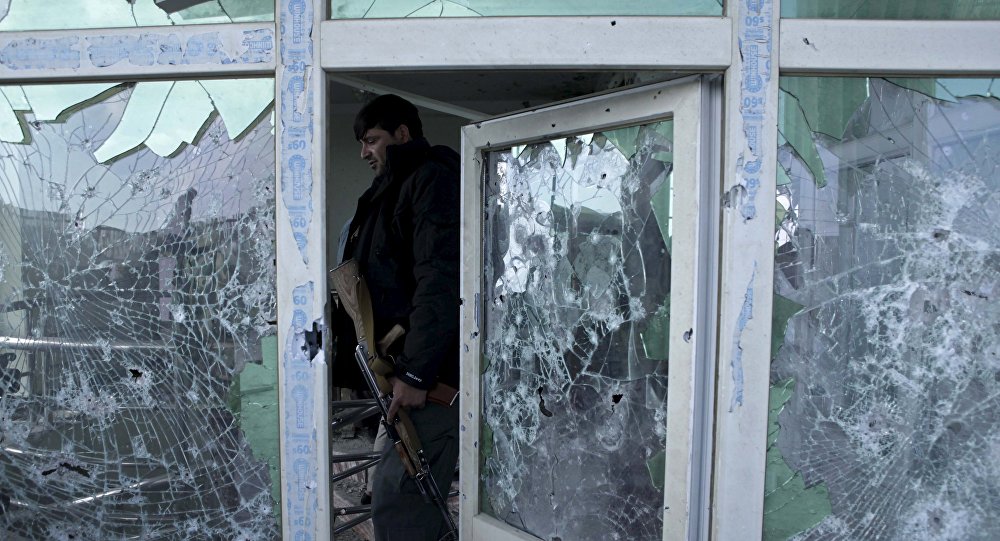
470,287
827,46
114,54
908,47
300,223
746,267
487,43
707,315
686,281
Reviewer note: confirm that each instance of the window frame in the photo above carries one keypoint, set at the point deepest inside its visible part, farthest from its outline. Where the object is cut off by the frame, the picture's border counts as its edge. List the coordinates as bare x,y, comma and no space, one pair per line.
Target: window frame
687,102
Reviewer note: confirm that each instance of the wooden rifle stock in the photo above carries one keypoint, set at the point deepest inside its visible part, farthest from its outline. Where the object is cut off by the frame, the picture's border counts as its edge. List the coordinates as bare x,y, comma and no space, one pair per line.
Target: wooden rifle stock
356,299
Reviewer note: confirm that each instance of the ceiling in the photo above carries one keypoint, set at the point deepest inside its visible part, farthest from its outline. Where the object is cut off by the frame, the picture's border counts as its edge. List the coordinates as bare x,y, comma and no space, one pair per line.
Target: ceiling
490,93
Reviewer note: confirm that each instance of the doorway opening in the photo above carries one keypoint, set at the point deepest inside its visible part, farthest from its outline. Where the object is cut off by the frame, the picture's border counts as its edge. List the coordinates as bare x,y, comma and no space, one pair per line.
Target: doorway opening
447,101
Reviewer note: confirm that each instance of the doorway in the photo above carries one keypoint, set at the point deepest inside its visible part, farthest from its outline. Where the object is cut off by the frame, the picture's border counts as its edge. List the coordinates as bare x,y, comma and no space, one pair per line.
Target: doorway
599,235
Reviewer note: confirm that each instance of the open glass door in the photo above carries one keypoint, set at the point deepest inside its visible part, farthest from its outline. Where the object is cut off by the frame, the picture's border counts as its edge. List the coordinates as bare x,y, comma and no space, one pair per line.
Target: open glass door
582,244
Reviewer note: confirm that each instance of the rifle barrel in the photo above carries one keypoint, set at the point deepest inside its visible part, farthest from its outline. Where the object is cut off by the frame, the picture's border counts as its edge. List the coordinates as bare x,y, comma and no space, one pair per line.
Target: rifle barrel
421,476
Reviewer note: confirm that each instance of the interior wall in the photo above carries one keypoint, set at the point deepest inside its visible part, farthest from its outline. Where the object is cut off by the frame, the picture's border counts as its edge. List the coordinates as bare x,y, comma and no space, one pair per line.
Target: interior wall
349,176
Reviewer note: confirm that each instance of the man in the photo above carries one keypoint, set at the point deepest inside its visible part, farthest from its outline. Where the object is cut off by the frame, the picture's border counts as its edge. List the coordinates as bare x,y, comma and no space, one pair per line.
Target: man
405,238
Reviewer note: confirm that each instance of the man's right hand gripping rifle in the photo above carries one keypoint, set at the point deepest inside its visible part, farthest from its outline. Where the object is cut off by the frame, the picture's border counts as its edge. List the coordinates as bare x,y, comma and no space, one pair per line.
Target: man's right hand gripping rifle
377,372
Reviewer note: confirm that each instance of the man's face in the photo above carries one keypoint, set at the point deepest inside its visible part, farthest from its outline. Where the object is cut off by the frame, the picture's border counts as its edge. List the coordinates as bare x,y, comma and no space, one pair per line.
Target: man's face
374,143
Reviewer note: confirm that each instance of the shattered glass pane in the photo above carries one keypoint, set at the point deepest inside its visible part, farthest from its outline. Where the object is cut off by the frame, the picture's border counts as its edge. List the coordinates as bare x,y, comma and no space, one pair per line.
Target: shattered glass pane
577,286
382,9
73,14
886,375
162,115
891,9
138,367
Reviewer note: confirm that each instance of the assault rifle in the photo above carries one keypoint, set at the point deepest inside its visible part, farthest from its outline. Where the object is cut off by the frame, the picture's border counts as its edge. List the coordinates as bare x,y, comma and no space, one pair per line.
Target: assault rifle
353,294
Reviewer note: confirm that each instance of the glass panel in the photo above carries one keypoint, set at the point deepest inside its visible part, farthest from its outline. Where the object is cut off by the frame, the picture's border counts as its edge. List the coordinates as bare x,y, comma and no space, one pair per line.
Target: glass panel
138,366
886,370
382,9
219,11
577,287
891,9
73,14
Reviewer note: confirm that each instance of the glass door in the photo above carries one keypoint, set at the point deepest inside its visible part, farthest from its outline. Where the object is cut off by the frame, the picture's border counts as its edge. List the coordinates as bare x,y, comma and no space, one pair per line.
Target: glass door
583,247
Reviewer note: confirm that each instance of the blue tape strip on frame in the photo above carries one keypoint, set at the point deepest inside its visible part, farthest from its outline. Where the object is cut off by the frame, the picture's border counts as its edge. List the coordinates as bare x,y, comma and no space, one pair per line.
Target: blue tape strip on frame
755,47
299,438
736,364
297,116
145,49
755,34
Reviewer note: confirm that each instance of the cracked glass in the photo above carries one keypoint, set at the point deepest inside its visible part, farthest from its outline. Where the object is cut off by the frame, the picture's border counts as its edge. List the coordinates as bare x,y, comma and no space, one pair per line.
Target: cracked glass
577,295
891,9
886,359
72,14
382,9
138,362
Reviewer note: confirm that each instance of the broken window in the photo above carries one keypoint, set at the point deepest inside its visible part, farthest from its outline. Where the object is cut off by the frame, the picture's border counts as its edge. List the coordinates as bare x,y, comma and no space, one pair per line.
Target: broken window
886,370
381,9
138,363
74,14
577,293
890,9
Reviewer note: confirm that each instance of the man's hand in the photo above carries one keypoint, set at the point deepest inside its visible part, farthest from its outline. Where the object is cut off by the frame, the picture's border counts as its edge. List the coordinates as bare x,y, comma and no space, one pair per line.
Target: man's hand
406,396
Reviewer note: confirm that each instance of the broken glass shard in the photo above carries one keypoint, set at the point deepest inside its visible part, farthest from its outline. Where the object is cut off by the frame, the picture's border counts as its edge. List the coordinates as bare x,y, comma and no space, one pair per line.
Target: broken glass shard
72,14
15,97
141,113
789,507
224,11
577,276
240,102
183,116
164,116
10,124
49,101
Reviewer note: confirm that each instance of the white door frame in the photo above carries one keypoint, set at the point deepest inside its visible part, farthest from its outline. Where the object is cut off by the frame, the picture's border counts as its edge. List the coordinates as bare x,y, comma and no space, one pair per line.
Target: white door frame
683,101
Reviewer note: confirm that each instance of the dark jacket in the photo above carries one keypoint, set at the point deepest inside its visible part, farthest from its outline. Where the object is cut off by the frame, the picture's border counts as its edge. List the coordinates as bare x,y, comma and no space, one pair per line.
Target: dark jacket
405,237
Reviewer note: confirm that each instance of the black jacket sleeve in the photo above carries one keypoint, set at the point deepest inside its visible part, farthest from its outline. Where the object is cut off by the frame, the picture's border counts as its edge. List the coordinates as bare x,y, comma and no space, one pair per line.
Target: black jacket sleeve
432,338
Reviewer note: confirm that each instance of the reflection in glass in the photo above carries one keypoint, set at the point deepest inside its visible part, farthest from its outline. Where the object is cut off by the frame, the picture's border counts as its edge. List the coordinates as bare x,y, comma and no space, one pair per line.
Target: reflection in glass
887,381
72,14
577,282
162,115
134,338
382,9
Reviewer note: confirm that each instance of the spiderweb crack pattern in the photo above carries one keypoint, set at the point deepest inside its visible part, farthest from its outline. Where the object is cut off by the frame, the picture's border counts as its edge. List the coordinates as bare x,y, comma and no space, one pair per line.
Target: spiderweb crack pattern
895,354
576,270
133,295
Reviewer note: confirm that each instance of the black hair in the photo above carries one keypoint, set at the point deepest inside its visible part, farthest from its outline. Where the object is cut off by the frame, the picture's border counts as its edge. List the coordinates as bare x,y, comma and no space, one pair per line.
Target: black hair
388,112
